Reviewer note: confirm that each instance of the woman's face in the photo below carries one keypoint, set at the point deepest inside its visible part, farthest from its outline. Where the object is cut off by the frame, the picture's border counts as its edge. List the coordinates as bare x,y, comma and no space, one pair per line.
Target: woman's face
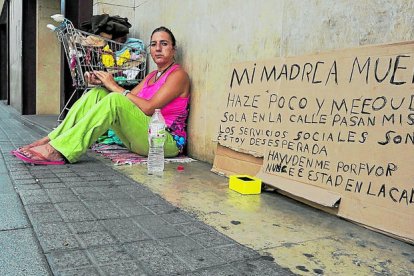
162,50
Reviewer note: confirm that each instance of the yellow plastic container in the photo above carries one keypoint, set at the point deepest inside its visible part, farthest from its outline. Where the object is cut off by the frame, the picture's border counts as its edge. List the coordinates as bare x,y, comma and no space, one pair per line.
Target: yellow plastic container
245,184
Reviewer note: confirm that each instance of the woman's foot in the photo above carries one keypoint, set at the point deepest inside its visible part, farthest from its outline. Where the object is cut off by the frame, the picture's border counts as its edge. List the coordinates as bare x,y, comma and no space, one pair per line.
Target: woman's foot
39,142
42,152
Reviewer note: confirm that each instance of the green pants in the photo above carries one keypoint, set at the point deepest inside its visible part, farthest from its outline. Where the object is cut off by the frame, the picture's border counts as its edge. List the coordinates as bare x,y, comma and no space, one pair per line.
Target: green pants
93,114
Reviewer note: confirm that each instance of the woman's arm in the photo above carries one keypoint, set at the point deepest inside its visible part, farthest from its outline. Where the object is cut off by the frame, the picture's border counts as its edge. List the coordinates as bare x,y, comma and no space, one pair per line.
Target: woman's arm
176,85
108,81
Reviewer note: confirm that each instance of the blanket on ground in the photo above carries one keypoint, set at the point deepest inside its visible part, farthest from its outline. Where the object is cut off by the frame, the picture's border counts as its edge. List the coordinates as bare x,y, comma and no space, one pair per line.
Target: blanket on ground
120,155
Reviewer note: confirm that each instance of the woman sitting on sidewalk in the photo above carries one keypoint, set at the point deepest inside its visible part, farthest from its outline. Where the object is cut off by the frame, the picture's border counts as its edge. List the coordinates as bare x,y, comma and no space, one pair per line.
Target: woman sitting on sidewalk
126,112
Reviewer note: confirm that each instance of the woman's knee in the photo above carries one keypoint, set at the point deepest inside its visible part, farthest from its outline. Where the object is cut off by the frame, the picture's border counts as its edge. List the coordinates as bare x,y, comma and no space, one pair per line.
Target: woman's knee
97,92
116,98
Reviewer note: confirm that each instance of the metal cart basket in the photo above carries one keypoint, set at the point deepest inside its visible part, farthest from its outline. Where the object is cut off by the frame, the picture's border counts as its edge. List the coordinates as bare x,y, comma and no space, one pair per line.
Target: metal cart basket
86,52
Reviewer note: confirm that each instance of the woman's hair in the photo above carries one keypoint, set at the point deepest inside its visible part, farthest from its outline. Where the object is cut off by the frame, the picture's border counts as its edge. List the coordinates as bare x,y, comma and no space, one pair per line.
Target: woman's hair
165,29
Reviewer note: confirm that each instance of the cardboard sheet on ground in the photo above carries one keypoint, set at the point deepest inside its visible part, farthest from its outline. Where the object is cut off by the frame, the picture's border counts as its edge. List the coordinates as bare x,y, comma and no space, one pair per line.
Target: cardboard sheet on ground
333,126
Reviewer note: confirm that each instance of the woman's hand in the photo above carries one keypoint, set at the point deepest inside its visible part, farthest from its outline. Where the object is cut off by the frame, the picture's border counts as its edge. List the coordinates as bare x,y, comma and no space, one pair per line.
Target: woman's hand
92,79
108,81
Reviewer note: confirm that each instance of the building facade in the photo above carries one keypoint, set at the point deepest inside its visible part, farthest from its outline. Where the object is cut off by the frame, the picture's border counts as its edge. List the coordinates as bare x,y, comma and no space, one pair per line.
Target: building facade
211,35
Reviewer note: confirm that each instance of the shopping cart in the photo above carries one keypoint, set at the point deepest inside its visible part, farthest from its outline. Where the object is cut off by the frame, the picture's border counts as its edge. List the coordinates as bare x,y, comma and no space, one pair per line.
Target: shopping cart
86,52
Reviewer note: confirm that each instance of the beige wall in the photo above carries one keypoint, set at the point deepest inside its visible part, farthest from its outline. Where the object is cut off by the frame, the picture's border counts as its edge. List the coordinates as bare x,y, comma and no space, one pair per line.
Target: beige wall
48,60
215,33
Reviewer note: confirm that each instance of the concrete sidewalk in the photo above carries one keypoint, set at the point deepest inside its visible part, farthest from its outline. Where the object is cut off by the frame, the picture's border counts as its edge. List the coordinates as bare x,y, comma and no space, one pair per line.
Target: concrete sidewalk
94,218
89,219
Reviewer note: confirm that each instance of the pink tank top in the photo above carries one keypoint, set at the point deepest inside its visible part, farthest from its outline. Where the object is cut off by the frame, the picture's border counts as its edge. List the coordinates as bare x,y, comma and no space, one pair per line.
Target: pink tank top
175,113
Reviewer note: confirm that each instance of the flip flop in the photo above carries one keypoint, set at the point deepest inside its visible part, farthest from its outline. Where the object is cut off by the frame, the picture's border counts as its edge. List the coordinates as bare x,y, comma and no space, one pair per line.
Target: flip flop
43,160
14,152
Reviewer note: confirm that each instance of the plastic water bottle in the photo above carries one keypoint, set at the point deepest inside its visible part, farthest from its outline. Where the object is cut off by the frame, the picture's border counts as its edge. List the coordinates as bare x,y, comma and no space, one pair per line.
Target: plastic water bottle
156,139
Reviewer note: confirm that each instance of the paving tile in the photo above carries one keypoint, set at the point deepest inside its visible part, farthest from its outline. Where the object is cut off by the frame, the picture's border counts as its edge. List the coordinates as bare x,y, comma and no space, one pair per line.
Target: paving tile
104,209
87,226
97,183
21,175
61,195
16,166
49,180
121,182
157,227
12,214
162,208
28,187
192,228
74,211
137,191
20,254
119,179
83,190
30,181
6,144
131,207
54,185
41,208
261,267
75,179
177,244
124,268
52,228
113,192
211,239
145,249
43,169
3,168
234,253
88,193
61,170
176,217
197,259
66,176
87,173
106,172
224,270
166,265
6,186
43,175
59,241
92,178
109,254
67,259
84,165
151,200
96,238
37,218
75,184
125,230
34,197
85,271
